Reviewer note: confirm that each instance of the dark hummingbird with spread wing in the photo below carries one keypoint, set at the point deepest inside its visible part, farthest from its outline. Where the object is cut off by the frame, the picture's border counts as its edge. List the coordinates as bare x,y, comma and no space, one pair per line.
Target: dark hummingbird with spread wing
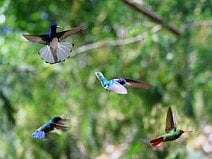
172,133
55,51
118,85
55,122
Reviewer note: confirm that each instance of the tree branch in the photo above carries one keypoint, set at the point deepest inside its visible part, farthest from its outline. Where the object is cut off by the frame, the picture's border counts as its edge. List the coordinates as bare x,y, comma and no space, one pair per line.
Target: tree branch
152,15
8,107
204,23
118,42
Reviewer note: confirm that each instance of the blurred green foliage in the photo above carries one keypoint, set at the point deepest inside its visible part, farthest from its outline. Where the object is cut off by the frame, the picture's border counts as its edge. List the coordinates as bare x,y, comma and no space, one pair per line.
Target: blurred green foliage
104,124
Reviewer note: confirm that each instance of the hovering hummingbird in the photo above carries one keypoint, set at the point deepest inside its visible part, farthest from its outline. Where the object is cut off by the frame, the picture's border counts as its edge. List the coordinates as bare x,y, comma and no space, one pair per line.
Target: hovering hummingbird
55,122
118,85
55,51
172,132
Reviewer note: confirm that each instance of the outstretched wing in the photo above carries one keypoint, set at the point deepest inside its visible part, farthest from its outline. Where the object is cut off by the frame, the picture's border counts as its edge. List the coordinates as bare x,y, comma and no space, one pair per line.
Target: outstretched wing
42,39
136,84
64,34
60,124
170,123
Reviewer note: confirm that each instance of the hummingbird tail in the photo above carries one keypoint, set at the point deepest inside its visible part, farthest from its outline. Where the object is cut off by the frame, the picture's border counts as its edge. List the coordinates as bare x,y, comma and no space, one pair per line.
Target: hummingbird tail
156,142
62,52
38,134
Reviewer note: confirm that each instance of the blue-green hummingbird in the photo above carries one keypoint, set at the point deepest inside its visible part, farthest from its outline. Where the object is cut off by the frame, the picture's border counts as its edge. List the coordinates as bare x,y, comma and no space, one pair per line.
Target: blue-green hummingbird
172,133
118,85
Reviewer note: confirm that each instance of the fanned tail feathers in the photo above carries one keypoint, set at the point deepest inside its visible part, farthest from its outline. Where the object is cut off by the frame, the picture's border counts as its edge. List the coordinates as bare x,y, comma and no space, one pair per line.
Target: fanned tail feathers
39,134
63,52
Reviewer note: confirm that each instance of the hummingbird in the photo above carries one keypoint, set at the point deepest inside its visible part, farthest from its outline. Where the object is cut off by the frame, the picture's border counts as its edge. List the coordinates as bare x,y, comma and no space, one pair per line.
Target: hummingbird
55,122
118,85
172,133
55,51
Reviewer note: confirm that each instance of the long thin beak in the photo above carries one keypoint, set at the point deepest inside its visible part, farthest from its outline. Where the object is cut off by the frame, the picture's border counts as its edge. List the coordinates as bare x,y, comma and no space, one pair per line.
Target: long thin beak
60,27
65,119
187,131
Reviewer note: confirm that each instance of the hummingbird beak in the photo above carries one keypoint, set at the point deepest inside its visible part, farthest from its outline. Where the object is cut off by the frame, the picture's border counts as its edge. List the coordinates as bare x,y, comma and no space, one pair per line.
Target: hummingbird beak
187,131
60,27
64,119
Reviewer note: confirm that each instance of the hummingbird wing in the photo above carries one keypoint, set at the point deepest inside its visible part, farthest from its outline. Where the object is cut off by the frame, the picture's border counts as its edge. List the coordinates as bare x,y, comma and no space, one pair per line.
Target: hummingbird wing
174,118
60,124
42,39
170,124
64,34
117,88
136,84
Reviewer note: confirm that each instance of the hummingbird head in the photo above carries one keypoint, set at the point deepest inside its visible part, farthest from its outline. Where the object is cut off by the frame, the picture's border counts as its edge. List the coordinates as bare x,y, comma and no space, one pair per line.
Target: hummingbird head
98,74
53,26
56,119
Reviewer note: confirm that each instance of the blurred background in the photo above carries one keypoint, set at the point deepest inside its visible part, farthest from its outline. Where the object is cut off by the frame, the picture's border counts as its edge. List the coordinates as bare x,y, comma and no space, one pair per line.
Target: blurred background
167,43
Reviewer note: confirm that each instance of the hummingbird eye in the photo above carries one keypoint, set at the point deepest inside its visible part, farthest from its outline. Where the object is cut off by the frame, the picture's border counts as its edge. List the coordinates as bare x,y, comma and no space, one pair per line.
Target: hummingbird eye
98,74
55,119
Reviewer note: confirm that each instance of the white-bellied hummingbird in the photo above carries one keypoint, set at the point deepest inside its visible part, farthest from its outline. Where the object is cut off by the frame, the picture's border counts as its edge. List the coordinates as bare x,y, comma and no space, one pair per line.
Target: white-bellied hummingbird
118,85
